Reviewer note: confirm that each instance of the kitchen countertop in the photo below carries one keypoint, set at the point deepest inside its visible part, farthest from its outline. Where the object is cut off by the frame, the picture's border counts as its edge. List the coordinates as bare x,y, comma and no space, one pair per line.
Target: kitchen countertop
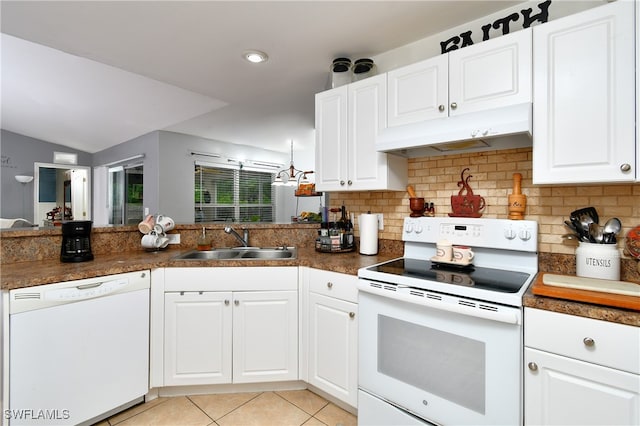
587,310
28,274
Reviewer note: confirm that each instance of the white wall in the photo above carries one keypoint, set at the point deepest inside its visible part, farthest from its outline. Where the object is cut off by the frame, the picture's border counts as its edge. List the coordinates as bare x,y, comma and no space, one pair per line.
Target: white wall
176,189
429,47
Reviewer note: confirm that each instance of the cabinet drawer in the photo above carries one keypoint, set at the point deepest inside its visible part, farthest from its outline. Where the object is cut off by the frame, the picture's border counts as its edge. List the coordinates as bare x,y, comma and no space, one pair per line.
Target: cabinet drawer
334,284
599,342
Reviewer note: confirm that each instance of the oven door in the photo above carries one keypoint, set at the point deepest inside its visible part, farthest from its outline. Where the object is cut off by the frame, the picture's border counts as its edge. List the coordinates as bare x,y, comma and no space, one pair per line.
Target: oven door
433,356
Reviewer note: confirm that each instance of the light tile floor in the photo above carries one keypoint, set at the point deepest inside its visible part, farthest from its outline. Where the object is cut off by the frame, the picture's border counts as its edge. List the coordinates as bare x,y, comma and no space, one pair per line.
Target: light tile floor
281,408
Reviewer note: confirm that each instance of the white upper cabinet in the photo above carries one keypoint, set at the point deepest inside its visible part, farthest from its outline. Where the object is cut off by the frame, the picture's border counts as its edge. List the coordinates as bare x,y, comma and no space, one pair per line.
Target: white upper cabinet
487,75
418,92
492,74
348,121
584,101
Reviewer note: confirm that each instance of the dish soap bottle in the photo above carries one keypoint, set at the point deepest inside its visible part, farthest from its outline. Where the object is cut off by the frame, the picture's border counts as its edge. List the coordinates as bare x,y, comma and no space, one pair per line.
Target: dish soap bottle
203,242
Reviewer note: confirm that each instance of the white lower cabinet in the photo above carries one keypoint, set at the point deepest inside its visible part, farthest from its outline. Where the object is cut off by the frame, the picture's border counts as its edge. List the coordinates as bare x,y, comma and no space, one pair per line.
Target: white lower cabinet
333,334
213,336
198,338
580,371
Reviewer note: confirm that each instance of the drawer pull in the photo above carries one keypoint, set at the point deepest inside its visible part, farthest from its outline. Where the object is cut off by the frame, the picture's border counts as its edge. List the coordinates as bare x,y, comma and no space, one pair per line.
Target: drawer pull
588,341
533,366
329,284
226,302
352,314
236,302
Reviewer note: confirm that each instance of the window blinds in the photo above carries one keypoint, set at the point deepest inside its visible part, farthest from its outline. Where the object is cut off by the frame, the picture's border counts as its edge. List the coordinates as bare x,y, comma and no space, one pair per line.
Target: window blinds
233,194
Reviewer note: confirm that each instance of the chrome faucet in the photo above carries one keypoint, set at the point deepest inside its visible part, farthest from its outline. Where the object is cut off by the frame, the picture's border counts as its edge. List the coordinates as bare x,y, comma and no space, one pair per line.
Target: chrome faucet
244,241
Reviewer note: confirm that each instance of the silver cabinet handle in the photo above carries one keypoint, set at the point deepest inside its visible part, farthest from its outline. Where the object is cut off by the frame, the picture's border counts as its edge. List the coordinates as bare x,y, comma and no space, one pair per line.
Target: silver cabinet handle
329,284
588,341
441,108
533,366
236,302
341,183
349,182
454,105
352,314
226,302
625,167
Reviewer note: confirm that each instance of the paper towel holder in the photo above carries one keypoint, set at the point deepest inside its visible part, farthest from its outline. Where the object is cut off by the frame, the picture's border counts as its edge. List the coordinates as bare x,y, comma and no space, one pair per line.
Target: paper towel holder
368,233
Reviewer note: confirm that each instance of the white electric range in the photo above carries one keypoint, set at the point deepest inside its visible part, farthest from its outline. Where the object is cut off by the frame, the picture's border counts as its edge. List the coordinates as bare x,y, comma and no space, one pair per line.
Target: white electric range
441,343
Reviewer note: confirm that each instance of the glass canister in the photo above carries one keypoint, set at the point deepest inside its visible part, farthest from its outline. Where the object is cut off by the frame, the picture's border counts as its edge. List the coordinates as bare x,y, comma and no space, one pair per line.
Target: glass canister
363,68
340,72
598,261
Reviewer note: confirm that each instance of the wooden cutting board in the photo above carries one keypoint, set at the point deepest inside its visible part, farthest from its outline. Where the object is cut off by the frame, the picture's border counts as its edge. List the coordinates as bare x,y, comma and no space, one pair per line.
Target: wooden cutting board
576,290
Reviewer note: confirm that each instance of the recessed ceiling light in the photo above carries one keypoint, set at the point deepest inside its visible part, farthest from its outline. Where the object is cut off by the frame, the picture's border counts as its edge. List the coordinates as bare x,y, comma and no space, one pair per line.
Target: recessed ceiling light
255,56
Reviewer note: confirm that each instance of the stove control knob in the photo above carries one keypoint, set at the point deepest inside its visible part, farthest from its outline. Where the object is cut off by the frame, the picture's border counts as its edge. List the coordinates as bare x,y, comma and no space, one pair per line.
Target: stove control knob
525,235
509,234
409,228
417,229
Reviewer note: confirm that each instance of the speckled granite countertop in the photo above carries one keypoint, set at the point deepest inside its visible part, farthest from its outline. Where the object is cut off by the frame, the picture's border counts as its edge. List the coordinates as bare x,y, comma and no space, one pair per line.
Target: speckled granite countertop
587,310
27,274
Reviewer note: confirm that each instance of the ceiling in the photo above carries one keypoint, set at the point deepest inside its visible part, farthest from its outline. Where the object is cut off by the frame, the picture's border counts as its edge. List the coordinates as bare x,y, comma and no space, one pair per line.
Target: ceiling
92,74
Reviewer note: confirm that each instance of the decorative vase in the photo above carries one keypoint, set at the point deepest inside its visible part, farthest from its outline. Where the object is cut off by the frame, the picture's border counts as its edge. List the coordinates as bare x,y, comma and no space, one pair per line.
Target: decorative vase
517,200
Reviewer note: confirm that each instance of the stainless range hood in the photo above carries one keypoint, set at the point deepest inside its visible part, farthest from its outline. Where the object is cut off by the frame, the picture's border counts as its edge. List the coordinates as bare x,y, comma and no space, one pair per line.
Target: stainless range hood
500,128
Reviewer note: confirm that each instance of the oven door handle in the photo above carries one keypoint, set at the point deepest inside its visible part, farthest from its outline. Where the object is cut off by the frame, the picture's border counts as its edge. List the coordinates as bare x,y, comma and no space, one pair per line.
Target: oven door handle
446,303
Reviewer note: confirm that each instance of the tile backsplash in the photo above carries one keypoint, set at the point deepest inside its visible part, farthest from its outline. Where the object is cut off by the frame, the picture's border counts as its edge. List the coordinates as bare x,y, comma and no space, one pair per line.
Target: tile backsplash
436,178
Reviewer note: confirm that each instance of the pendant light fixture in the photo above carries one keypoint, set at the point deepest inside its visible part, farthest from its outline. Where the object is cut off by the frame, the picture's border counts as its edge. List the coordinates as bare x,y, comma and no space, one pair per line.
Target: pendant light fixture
291,176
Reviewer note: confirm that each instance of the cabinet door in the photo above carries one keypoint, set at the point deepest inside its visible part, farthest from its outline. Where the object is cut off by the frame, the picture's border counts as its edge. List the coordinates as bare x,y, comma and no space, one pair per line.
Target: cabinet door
367,116
265,336
418,92
331,139
333,347
564,391
197,343
583,127
491,74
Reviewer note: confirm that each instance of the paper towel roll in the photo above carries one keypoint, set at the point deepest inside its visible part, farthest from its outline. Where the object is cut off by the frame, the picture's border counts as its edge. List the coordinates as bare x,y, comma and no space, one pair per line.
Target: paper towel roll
368,233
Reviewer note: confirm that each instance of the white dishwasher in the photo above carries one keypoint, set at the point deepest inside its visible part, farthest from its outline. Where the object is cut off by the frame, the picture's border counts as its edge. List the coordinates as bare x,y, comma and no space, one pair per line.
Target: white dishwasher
78,350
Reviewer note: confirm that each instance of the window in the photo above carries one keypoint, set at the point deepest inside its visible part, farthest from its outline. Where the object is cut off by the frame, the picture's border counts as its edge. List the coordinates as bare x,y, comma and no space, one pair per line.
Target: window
234,194
125,194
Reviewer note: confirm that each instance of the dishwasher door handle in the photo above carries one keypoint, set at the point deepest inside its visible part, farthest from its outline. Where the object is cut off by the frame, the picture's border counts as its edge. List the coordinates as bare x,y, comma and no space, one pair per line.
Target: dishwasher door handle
86,286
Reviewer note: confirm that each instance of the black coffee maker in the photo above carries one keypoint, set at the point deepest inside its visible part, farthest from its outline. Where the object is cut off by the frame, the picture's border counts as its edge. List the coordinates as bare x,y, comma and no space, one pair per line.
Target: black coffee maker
76,241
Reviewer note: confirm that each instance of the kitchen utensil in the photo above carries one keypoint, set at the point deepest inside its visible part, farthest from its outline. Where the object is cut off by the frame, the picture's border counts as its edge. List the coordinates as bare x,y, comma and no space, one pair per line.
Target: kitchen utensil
611,229
571,237
517,200
595,233
585,216
598,261
417,206
411,191
571,226
540,288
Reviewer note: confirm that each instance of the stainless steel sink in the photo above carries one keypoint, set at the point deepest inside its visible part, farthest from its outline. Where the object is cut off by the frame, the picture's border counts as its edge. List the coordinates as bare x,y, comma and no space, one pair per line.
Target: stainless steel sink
241,253
268,254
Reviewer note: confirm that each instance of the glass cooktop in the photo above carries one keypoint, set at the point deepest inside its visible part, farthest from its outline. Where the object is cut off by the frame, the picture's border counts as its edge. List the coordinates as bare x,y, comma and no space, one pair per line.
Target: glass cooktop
469,276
